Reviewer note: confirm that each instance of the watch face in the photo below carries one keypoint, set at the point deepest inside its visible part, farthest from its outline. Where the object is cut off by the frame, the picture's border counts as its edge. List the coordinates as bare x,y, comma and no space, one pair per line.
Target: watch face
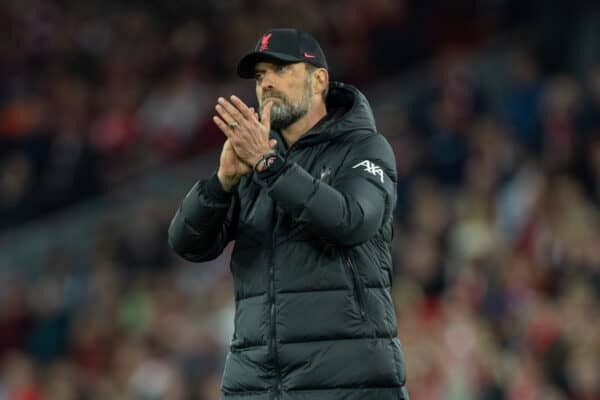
269,161
266,162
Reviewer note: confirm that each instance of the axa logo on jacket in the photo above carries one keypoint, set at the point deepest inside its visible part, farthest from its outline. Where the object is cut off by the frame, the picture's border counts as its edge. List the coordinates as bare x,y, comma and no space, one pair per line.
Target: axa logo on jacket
371,168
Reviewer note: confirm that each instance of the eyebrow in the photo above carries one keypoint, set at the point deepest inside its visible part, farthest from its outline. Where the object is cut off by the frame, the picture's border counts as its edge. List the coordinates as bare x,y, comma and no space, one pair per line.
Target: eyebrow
274,63
263,68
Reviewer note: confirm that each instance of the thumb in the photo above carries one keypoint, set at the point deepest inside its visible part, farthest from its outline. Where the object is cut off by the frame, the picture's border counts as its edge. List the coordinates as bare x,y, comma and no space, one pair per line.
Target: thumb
273,143
266,116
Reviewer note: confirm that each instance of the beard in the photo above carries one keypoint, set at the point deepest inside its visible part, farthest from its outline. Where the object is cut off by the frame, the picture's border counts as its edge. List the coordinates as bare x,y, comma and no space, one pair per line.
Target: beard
284,113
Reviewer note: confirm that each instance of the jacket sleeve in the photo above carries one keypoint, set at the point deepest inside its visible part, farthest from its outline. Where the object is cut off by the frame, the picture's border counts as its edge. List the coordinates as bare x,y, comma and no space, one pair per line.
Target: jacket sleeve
205,221
350,210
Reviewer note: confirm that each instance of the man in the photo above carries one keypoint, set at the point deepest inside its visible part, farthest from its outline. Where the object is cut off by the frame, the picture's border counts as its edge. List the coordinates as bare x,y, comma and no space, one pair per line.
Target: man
307,193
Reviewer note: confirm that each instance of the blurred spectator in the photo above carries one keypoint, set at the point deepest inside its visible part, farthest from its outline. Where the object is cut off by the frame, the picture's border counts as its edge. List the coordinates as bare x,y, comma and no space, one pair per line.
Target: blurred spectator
560,107
522,99
19,380
17,197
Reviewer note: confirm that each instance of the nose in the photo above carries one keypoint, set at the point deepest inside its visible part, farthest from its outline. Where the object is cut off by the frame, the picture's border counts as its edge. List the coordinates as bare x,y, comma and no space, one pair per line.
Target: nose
266,82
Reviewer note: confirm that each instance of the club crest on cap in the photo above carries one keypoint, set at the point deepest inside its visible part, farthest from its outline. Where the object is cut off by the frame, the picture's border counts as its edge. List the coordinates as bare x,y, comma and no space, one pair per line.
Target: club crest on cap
264,42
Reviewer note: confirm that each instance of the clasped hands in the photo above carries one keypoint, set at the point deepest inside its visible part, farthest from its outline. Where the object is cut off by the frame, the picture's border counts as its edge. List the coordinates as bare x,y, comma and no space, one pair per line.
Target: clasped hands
247,138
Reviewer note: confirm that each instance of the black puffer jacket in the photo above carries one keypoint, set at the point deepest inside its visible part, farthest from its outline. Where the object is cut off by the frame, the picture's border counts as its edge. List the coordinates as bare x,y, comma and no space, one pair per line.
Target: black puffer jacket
311,264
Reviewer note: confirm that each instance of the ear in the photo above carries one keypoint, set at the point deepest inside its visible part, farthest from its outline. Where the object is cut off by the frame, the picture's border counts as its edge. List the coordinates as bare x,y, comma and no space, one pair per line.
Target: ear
320,80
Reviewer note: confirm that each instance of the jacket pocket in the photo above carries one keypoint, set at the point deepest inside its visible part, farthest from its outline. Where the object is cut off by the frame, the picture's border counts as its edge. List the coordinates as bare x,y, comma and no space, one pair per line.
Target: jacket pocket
357,286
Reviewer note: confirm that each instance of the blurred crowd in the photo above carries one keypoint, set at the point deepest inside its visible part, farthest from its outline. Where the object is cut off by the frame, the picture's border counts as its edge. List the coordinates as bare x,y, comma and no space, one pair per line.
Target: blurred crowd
94,93
496,248
497,244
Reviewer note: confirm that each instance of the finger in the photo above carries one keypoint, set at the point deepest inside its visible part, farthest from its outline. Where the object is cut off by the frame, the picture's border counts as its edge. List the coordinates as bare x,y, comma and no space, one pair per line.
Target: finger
223,126
224,114
233,112
266,117
254,113
273,143
242,107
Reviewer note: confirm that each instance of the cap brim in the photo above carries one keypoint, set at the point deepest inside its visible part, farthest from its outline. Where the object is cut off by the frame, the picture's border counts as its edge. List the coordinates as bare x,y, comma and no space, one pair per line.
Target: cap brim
246,65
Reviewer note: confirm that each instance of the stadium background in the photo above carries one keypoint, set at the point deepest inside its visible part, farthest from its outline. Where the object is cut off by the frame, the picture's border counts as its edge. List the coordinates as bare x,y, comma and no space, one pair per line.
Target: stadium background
492,108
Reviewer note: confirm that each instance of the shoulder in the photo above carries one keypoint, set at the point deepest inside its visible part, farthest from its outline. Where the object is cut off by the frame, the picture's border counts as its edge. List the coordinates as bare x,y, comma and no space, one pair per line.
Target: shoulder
368,142
371,147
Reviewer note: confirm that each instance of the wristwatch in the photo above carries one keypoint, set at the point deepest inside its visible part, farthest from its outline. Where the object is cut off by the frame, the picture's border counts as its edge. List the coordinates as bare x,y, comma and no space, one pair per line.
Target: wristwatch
267,161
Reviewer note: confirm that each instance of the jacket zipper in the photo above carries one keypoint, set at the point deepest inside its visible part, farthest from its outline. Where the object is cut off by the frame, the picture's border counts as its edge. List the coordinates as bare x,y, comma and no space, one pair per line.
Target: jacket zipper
357,286
273,318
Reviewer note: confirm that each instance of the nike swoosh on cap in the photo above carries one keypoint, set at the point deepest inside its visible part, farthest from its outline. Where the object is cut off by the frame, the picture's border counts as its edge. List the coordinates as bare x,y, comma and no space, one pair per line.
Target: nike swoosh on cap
308,55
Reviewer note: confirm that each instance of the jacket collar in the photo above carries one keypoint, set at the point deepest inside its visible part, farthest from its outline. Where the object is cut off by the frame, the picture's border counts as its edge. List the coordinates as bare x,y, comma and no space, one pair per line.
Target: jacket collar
347,110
